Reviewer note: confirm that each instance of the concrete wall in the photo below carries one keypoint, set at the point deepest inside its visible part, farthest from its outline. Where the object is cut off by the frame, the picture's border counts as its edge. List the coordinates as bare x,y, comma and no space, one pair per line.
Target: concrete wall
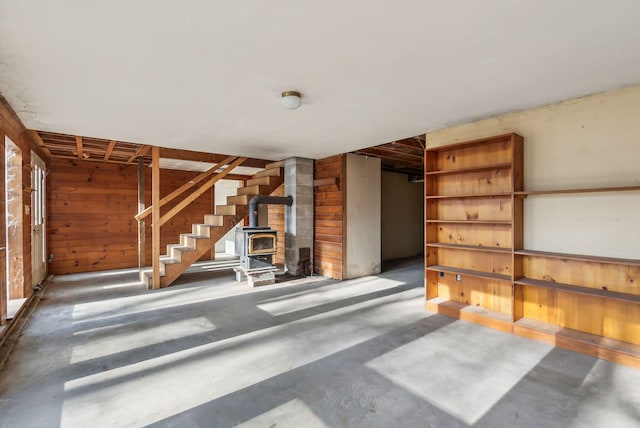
402,216
588,142
363,216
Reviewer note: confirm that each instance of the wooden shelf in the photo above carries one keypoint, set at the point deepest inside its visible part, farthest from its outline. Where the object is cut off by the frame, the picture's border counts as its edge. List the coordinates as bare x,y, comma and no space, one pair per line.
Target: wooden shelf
476,314
597,346
579,289
578,257
479,141
469,272
506,222
586,190
472,195
470,247
498,166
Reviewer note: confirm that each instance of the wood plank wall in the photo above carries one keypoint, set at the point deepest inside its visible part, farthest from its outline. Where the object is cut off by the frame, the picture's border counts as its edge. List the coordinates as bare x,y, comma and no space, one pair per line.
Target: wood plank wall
90,215
276,222
329,244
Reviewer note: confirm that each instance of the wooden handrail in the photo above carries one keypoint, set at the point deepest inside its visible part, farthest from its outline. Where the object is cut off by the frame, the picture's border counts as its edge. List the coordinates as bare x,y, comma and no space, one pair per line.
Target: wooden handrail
206,186
144,213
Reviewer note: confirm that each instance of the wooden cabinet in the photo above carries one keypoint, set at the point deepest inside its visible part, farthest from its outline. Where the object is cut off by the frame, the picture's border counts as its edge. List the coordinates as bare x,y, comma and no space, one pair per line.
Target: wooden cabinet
476,266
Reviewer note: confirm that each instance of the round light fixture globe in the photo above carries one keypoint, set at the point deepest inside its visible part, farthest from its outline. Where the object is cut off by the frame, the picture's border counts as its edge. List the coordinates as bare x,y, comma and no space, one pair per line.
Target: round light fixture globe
291,100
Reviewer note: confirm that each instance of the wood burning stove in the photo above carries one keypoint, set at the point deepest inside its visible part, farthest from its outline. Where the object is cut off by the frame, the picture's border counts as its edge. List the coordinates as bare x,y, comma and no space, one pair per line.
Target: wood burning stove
256,247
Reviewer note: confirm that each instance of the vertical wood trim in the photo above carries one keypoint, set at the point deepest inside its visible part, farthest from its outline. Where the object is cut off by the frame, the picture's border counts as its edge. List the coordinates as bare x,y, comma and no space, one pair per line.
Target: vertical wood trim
3,241
141,224
79,147
155,202
343,184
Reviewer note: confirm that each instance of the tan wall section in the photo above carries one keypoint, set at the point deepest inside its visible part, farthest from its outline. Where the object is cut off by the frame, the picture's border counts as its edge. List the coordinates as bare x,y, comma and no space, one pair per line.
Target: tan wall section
328,225
402,216
587,142
363,209
90,215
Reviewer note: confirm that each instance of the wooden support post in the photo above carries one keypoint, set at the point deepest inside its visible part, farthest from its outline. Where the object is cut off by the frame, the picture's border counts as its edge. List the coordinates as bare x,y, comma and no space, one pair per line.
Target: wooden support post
155,202
142,256
3,241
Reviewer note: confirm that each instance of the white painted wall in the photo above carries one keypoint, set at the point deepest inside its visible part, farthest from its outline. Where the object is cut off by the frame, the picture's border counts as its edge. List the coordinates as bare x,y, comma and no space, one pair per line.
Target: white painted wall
363,205
402,232
587,142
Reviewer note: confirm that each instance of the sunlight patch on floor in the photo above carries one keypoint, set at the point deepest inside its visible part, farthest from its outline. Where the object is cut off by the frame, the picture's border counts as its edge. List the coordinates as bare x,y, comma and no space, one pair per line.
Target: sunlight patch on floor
306,299
293,413
483,374
107,340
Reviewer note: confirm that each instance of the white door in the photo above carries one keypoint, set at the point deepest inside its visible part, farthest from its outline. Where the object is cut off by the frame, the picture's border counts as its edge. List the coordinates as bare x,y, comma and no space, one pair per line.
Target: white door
38,215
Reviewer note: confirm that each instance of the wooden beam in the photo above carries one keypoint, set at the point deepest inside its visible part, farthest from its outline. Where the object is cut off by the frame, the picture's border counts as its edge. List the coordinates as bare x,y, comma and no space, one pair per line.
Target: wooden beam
79,147
399,152
179,191
36,137
142,256
107,154
192,197
142,150
207,157
155,227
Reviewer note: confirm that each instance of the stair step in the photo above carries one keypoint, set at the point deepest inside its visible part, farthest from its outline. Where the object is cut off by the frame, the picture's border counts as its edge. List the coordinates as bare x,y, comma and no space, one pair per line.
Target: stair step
264,181
168,260
271,172
175,250
226,209
191,240
202,229
239,200
279,164
253,190
213,220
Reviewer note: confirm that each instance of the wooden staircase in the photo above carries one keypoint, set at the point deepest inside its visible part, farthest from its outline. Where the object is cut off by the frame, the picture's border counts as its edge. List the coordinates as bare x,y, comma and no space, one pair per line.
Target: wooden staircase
204,236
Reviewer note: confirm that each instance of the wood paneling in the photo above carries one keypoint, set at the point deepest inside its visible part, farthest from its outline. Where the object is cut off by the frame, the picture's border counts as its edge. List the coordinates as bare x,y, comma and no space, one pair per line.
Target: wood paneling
90,215
276,222
329,245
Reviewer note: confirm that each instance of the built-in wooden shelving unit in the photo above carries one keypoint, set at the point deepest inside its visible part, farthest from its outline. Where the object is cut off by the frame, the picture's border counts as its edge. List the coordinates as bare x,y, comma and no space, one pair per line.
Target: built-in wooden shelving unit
477,269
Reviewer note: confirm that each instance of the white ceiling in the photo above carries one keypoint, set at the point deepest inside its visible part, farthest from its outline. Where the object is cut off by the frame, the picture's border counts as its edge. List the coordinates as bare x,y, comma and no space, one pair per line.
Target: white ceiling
207,75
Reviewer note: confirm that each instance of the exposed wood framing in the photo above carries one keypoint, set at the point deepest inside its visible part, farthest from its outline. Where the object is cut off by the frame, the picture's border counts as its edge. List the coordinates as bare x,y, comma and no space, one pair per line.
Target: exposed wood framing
179,191
141,224
139,153
155,202
404,156
193,196
79,147
110,147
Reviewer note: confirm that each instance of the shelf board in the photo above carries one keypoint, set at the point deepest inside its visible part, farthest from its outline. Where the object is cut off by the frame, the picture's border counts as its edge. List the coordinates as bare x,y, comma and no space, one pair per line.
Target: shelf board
576,289
578,257
497,166
507,222
479,141
472,195
597,346
586,190
470,247
476,314
469,272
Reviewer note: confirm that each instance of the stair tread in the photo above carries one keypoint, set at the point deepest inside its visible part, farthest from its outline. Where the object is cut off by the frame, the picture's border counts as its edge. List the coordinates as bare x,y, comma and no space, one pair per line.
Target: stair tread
181,247
168,260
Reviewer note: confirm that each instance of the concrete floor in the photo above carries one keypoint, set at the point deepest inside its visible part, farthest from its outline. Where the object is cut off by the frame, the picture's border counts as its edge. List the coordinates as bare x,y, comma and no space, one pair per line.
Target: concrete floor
101,351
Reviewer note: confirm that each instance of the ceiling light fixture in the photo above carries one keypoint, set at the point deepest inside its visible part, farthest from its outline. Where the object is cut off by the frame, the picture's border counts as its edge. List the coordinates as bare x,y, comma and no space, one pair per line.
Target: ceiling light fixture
291,100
